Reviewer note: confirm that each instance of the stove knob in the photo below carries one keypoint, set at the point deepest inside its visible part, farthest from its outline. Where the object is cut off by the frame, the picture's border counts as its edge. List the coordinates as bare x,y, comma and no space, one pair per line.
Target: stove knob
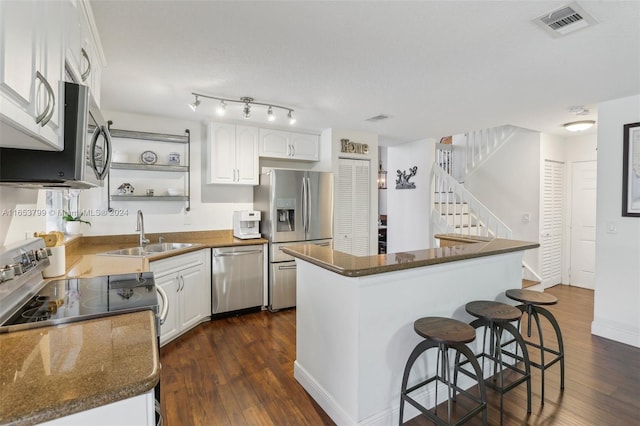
17,268
41,254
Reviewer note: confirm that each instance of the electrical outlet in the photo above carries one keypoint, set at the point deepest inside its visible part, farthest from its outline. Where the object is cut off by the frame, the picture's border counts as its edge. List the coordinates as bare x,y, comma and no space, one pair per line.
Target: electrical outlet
526,218
612,228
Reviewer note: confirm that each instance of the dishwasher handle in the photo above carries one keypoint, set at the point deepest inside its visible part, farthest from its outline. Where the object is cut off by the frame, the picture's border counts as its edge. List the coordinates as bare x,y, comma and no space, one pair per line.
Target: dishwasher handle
236,253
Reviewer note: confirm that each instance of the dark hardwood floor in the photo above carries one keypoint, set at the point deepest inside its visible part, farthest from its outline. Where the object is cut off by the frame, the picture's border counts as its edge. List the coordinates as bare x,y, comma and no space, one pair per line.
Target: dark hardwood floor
239,371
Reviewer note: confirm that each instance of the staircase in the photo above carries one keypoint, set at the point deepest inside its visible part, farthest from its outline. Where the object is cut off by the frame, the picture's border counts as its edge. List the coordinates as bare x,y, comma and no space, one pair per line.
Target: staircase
455,209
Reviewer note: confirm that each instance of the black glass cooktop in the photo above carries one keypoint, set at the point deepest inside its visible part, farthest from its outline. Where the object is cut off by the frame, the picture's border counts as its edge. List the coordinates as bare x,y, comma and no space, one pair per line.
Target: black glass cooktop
75,299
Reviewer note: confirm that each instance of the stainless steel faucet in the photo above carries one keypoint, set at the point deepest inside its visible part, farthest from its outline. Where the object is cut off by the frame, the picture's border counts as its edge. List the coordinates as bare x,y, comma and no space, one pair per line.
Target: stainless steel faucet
140,229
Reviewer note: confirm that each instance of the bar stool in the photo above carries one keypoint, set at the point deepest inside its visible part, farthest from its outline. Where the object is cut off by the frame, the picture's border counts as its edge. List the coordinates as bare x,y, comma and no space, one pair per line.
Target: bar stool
496,318
445,334
531,301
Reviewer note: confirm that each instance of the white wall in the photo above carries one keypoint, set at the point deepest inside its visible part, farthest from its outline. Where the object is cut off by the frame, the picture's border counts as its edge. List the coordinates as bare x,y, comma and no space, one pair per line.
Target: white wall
409,210
617,282
508,183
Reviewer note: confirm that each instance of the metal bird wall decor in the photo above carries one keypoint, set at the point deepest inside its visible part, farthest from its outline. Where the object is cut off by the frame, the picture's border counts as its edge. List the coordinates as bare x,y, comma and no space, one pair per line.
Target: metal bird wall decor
402,182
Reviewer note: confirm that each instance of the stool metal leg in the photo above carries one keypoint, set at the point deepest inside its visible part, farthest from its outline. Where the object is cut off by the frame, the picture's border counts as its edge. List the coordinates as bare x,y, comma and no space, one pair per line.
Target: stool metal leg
417,351
444,376
535,311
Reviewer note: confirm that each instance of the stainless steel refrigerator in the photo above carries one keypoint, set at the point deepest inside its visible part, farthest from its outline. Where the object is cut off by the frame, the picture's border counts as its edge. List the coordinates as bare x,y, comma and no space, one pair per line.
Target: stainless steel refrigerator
296,208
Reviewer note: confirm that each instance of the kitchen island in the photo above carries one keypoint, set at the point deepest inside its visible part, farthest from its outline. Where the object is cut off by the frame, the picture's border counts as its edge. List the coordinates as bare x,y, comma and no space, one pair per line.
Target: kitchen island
355,317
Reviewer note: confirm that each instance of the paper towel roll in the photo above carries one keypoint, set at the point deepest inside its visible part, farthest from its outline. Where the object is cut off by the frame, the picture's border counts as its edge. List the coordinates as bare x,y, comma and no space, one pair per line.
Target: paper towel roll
57,262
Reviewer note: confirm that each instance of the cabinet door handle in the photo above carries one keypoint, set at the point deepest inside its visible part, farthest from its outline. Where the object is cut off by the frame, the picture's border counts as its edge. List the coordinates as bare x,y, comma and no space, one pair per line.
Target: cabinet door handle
51,103
85,74
44,113
293,151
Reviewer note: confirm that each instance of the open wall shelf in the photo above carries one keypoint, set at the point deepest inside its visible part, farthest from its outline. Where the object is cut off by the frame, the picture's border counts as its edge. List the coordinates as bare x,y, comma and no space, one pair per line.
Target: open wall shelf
139,137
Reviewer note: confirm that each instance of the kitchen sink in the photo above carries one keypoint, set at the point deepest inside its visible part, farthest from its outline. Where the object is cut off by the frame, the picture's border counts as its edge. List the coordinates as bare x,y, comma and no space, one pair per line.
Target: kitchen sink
148,249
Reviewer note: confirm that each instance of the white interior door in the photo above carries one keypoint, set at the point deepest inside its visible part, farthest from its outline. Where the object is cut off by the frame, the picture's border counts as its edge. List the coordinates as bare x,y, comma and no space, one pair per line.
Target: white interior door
352,208
552,214
583,224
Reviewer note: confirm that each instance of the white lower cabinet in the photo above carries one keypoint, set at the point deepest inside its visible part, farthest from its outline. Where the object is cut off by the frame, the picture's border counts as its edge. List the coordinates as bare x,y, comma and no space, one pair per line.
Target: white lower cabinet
136,411
186,279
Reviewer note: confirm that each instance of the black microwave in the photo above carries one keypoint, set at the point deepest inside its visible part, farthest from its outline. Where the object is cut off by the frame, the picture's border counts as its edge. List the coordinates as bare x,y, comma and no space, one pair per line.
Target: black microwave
85,159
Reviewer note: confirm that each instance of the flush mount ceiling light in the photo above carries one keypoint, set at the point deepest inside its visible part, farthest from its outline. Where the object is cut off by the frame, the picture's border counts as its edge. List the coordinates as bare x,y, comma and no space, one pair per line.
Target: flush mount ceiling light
246,109
578,126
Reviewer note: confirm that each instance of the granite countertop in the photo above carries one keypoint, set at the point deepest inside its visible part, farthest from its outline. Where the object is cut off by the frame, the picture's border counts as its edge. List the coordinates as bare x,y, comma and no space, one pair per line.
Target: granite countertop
357,266
83,259
50,372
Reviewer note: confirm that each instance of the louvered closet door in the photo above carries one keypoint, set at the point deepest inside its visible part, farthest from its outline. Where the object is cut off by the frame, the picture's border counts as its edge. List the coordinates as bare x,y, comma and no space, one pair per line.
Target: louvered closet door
352,207
552,214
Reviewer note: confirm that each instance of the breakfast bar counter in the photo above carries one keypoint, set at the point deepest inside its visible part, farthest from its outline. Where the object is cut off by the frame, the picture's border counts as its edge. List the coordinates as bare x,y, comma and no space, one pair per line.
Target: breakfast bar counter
355,317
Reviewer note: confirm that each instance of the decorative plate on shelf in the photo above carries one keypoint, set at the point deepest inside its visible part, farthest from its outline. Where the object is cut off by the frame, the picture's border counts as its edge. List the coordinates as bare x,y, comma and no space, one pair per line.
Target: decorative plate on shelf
149,157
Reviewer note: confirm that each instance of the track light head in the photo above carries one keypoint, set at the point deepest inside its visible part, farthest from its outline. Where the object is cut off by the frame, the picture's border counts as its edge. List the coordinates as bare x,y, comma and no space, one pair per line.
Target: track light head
246,111
194,105
292,120
270,115
222,108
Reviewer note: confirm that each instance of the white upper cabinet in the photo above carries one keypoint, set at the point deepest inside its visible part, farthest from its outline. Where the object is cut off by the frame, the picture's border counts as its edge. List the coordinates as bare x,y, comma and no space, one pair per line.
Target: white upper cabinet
36,38
31,68
288,145
82,53
233,154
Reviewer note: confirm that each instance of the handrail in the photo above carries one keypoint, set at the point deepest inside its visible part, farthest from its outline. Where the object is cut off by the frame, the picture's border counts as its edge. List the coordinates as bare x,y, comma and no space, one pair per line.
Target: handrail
526,266
481,144
461,212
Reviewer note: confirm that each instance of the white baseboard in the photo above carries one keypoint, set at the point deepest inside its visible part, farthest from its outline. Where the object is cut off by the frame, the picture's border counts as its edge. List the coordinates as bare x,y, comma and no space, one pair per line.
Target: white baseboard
386,417
616,331
321,396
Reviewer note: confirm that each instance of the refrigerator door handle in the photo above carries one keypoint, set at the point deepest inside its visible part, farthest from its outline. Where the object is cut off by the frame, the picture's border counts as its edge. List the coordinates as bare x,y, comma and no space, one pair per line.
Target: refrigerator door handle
308,206
305,206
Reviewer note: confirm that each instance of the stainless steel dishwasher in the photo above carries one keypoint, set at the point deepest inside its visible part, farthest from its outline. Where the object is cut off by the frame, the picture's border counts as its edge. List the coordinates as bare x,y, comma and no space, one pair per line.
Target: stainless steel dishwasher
237,278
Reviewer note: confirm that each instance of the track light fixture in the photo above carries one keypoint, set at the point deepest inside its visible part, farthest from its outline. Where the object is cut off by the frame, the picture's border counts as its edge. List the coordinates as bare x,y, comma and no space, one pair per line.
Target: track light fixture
246,109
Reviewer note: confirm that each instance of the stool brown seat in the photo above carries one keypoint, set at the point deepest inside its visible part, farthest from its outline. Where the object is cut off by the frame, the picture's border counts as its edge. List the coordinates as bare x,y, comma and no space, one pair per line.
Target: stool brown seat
496,318
531,304
445,334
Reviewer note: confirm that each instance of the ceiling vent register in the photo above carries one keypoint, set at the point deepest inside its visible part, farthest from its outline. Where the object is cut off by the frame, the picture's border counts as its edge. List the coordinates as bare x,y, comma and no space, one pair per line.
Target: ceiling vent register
565,20
378,117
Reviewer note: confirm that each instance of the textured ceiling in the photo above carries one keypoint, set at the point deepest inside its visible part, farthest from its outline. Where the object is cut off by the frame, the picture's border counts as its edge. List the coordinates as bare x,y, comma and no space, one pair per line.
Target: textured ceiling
435,67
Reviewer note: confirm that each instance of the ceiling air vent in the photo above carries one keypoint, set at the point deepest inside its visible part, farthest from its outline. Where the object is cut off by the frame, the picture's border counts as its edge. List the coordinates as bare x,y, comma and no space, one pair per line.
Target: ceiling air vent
378,117
565,20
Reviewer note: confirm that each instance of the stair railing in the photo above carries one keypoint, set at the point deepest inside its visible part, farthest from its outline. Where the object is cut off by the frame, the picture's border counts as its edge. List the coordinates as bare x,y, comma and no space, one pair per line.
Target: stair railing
481,144
458,211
